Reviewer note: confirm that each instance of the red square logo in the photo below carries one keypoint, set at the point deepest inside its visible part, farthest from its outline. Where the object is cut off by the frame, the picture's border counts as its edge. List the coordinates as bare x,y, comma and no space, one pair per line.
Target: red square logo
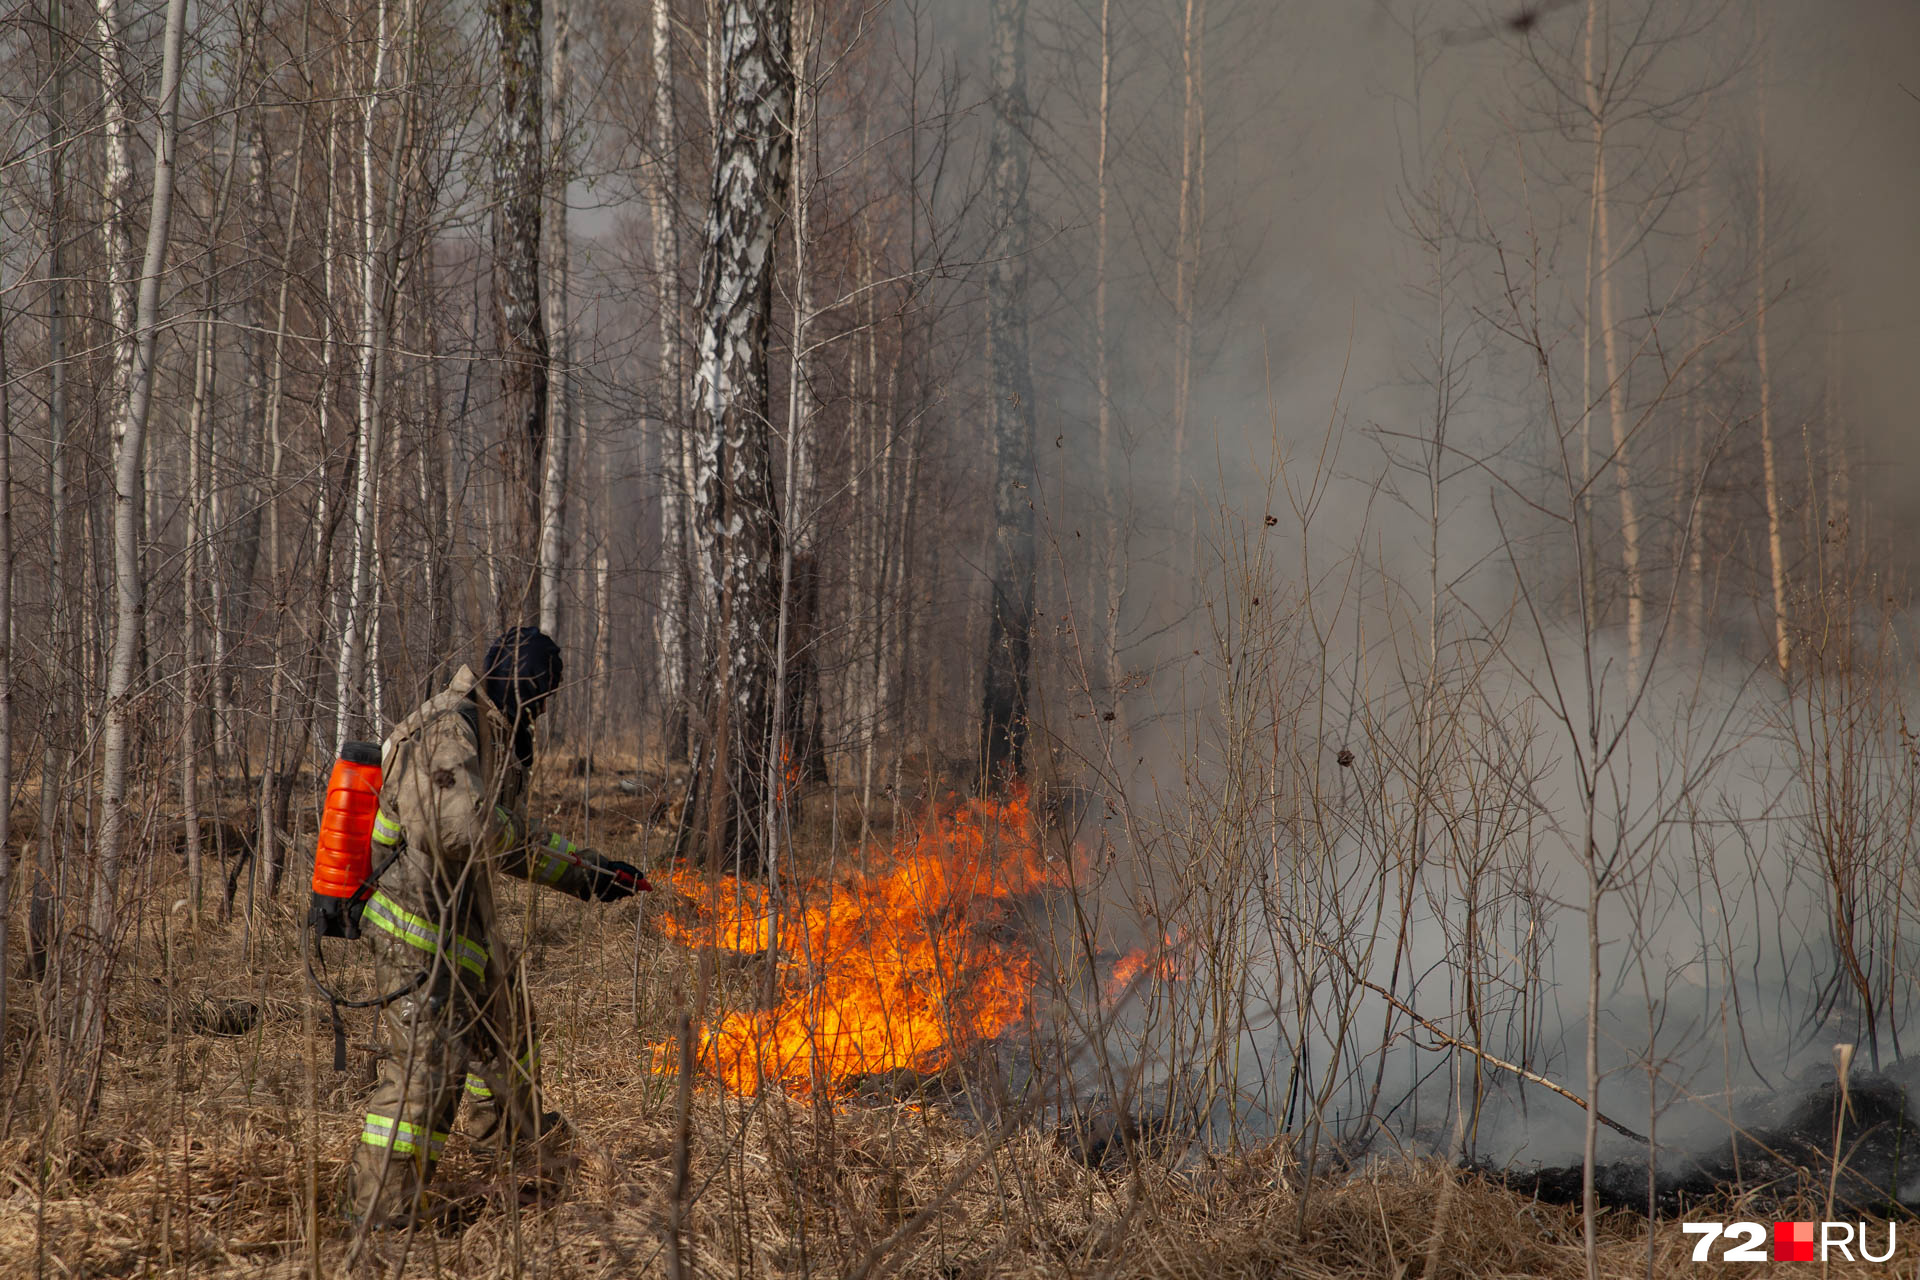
1793,1242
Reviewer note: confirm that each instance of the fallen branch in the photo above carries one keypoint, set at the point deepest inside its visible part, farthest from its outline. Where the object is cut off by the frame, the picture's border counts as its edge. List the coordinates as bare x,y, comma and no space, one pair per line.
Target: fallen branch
1532,1077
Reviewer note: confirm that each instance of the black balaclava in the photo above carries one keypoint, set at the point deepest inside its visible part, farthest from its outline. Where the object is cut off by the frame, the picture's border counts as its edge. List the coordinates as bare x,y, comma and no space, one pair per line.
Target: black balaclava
521,672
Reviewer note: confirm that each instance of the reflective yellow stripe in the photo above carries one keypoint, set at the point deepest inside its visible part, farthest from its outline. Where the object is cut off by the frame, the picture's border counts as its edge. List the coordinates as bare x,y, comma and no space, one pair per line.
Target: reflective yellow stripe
422,933
509,833
477,1086
385,830
562,858
405,1138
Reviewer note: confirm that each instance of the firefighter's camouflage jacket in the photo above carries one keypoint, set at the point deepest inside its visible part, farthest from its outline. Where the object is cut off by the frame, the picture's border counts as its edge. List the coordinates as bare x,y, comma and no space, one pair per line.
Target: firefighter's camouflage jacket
452,803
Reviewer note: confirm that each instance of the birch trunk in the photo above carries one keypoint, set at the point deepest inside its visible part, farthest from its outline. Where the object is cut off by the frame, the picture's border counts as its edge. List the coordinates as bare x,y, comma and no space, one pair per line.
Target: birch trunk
799,748
1003,718
1596,94
735,513
561,424
268,825
1776,554
133,361
358,709
519,181
254,364
350,663
193,676
603,632
676,612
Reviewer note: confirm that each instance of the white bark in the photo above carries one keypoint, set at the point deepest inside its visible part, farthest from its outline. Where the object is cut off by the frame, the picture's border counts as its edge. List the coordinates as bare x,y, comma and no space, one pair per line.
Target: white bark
117,199
675,612
130,424
1597,94
268,839
796,541
560,408
1776,552
193,677
603,632
518,203
735,507
356,704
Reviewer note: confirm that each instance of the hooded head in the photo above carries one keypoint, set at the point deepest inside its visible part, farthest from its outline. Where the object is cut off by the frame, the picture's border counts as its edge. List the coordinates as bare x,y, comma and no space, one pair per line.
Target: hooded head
521,671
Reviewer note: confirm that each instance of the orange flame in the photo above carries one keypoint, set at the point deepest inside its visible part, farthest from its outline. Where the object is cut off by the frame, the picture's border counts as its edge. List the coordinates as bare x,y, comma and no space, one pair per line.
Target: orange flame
1159,963
888,967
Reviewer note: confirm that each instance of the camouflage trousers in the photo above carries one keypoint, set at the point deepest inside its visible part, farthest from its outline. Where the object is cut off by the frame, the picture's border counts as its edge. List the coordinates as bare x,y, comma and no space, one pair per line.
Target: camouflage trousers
465,1032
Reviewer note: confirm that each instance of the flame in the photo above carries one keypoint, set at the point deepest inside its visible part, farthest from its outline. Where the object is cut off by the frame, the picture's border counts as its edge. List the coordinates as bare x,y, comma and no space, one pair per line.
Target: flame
1159,963
891,966
790,774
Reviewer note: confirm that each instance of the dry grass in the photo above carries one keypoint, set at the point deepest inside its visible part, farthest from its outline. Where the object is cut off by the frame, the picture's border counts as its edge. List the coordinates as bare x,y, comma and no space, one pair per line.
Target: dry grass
199,1161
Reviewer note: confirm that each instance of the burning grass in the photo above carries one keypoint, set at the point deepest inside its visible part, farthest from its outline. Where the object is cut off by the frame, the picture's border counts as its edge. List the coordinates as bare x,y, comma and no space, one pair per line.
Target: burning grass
904,962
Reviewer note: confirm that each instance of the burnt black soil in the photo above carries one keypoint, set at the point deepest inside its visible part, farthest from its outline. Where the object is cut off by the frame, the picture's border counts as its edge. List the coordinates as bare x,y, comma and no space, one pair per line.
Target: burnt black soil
1783,1148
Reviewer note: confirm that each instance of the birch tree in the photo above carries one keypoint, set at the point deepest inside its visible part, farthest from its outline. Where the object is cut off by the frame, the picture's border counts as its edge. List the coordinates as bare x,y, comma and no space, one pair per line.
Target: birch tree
357,675
735,515
519,193
1599,85
676,470
796,662
1770,467
560,394
132,385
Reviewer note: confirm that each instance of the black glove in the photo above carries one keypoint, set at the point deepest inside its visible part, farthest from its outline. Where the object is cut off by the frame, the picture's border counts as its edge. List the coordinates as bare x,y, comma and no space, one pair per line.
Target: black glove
330,917
613,881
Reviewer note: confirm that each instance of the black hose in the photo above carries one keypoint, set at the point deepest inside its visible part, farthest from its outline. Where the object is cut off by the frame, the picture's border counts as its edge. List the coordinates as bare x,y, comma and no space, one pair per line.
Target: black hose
335,1001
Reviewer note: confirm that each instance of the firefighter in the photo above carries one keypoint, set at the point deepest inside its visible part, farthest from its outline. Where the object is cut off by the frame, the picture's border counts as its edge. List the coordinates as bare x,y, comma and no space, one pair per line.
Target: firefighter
453,803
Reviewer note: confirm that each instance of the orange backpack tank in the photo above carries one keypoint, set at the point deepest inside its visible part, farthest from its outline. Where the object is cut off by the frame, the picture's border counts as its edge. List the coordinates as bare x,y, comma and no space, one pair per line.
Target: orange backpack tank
344,855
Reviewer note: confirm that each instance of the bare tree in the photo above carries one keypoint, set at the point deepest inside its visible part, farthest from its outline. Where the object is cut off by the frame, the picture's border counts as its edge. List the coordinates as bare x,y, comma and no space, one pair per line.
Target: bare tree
519,179
1600,86
133,377
675,626
561,423
358,666
1770,468
1010,409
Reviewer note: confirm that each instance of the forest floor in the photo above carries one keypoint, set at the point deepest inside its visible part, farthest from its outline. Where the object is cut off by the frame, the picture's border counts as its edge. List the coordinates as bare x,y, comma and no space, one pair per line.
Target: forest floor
223,1154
